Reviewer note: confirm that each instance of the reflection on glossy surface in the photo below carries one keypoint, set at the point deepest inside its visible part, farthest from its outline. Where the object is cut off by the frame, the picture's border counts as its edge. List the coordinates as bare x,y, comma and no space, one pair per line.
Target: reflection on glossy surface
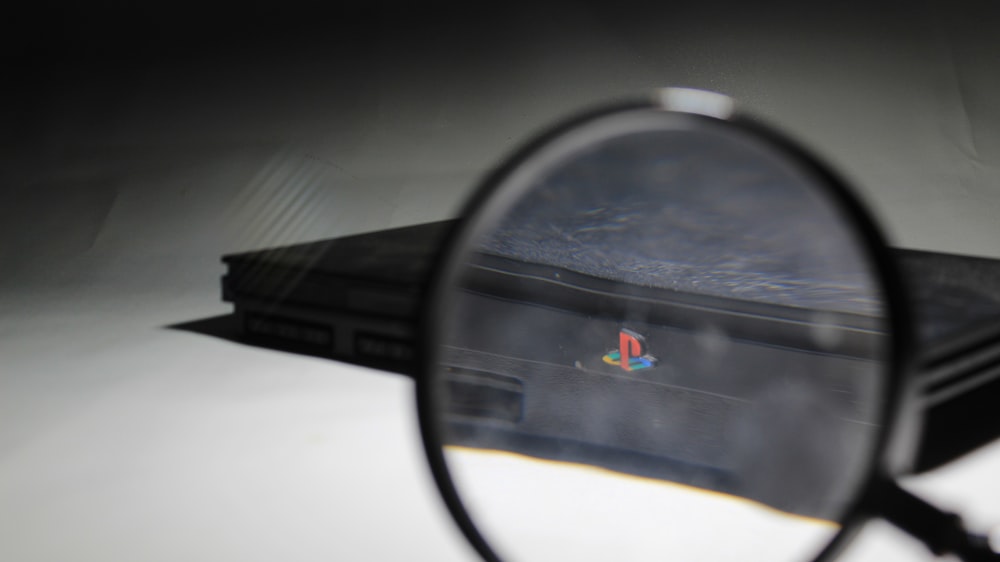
661,330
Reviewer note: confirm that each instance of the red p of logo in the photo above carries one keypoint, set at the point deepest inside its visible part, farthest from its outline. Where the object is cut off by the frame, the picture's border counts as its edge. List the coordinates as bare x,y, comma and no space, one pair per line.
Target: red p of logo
630,345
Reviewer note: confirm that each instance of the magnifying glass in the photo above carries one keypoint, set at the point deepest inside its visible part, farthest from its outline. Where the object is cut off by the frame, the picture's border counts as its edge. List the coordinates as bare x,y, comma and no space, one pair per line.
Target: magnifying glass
663,330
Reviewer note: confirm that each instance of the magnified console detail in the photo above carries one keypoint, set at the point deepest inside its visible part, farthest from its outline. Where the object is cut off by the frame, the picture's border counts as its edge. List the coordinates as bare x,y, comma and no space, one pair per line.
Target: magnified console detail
664,325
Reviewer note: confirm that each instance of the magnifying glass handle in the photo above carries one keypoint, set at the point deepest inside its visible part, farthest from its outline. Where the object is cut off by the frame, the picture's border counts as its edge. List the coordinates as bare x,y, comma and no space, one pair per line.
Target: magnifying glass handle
941,531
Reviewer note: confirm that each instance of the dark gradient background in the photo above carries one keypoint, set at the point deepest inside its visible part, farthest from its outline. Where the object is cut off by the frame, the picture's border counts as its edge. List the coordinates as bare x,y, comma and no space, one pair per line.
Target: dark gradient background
140,143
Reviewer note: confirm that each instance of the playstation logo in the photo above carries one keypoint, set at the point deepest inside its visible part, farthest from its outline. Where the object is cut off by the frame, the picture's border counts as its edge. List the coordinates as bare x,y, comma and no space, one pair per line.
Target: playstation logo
631,353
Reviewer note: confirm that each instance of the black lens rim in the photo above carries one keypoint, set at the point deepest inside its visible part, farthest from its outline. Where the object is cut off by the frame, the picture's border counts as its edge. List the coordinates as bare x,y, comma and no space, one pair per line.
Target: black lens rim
479,206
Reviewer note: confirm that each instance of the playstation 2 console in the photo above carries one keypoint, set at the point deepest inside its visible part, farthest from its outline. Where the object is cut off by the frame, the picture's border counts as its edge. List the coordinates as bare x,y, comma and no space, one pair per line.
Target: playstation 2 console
356,299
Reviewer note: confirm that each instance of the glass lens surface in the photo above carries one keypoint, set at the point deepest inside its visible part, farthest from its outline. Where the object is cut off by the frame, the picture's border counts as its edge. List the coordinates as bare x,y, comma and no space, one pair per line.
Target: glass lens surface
660,341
